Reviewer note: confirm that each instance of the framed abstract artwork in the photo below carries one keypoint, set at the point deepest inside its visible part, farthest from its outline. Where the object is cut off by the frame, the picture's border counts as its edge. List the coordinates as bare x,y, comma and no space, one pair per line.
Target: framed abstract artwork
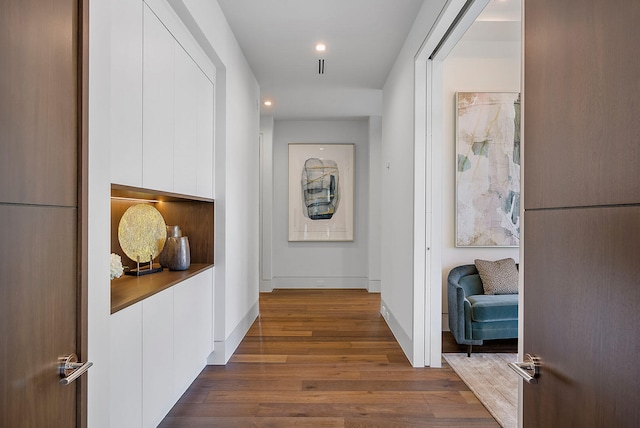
321,192
488,169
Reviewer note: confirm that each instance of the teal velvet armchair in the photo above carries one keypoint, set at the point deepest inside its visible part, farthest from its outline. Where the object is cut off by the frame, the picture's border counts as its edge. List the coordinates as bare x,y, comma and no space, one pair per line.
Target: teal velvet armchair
475,316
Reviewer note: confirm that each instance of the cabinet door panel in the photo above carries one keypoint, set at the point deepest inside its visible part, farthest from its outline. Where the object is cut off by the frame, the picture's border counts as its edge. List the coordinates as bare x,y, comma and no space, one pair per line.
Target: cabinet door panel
158,102
126,92
157,357
192,333
126,367
184,147
206,304
204,135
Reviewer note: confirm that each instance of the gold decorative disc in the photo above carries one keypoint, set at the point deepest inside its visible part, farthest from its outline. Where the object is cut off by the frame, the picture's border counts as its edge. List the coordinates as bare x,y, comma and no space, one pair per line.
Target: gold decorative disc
142,232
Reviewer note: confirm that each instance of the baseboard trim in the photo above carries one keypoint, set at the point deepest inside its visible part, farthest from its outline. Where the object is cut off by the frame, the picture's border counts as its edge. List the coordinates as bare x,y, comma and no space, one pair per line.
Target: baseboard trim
223,350
403,339
375,286
320,282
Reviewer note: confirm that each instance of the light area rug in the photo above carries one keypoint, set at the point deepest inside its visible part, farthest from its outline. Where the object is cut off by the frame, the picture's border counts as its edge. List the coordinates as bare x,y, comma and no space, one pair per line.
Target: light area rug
492,381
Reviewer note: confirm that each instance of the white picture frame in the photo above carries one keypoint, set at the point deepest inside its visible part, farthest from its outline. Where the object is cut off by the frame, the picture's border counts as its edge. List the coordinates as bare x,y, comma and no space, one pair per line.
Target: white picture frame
323,210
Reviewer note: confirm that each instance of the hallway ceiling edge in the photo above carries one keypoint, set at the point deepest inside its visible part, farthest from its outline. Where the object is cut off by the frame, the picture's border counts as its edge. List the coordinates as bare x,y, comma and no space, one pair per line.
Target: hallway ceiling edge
362,38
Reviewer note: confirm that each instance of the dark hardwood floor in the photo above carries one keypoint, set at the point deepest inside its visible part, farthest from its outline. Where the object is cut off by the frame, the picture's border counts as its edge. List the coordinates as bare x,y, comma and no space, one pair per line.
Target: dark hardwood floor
325,358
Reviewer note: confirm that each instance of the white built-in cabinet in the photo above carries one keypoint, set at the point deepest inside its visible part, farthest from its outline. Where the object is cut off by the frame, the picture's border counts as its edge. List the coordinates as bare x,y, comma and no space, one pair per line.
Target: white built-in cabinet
184,114
125,404
158,95
161,136
192,329
126,92
162,107
204,135
193,132
157,357
158,347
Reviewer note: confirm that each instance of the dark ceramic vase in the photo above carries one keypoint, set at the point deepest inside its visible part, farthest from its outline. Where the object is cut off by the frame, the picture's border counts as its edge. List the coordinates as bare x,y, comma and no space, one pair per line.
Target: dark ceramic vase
165,254
178,253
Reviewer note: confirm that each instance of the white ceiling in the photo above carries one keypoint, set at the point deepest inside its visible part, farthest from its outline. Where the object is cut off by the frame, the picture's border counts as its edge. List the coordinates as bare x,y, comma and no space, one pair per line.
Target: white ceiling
499,21
363,39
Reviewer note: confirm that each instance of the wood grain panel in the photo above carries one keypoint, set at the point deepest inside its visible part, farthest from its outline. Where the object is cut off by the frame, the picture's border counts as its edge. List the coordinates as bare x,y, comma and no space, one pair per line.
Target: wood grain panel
37,314
196,222
38,115
582,317
580,100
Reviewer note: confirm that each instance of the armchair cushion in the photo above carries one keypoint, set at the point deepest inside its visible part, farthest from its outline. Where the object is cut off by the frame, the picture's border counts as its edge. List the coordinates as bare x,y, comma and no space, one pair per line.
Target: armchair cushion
499,277
494,308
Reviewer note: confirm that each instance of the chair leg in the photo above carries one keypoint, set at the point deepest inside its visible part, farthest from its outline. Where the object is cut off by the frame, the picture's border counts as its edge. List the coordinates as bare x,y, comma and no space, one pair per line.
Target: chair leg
469,350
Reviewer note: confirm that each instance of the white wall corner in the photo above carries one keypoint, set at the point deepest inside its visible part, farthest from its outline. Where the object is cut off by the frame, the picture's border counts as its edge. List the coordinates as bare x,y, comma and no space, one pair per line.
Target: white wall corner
375,286
223,350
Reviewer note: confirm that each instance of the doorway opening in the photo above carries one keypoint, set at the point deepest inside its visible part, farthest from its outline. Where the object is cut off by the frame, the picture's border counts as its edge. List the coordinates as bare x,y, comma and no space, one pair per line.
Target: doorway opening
474,46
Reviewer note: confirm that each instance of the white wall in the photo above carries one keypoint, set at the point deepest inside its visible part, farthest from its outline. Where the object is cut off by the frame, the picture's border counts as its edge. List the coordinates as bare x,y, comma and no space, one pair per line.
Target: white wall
304,264
471,66
397,183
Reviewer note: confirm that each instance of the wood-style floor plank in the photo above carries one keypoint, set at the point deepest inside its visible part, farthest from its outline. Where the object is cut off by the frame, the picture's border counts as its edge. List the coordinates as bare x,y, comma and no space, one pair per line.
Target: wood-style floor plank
325,358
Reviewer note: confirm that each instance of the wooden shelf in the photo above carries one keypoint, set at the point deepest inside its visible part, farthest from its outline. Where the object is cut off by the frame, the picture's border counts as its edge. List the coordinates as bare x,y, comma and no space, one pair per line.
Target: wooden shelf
128,289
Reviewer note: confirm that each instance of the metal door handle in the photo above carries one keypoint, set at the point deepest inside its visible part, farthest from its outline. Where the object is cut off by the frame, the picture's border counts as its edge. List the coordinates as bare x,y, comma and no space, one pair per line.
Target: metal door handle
71,369
529,370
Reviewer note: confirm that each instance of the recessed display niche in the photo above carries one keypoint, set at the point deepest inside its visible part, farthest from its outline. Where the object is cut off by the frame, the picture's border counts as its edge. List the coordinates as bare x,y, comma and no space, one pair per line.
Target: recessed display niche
194,215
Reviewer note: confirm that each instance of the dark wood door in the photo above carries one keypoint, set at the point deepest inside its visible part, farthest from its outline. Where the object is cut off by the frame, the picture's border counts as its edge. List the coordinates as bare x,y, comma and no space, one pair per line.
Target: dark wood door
582,212
41,248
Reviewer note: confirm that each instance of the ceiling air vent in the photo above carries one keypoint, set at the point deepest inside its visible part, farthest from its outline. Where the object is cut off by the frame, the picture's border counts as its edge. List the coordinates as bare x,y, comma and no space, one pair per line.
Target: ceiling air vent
320,66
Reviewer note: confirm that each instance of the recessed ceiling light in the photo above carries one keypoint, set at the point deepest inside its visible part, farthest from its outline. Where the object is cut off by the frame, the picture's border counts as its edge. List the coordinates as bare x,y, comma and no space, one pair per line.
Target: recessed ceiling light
321,47
268,103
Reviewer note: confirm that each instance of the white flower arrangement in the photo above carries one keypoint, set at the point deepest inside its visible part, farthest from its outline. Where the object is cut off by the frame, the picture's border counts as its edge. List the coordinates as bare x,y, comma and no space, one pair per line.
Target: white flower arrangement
116,266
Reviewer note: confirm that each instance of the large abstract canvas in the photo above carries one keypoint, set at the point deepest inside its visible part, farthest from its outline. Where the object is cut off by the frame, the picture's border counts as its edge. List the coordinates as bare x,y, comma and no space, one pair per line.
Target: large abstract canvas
321,192
488,169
